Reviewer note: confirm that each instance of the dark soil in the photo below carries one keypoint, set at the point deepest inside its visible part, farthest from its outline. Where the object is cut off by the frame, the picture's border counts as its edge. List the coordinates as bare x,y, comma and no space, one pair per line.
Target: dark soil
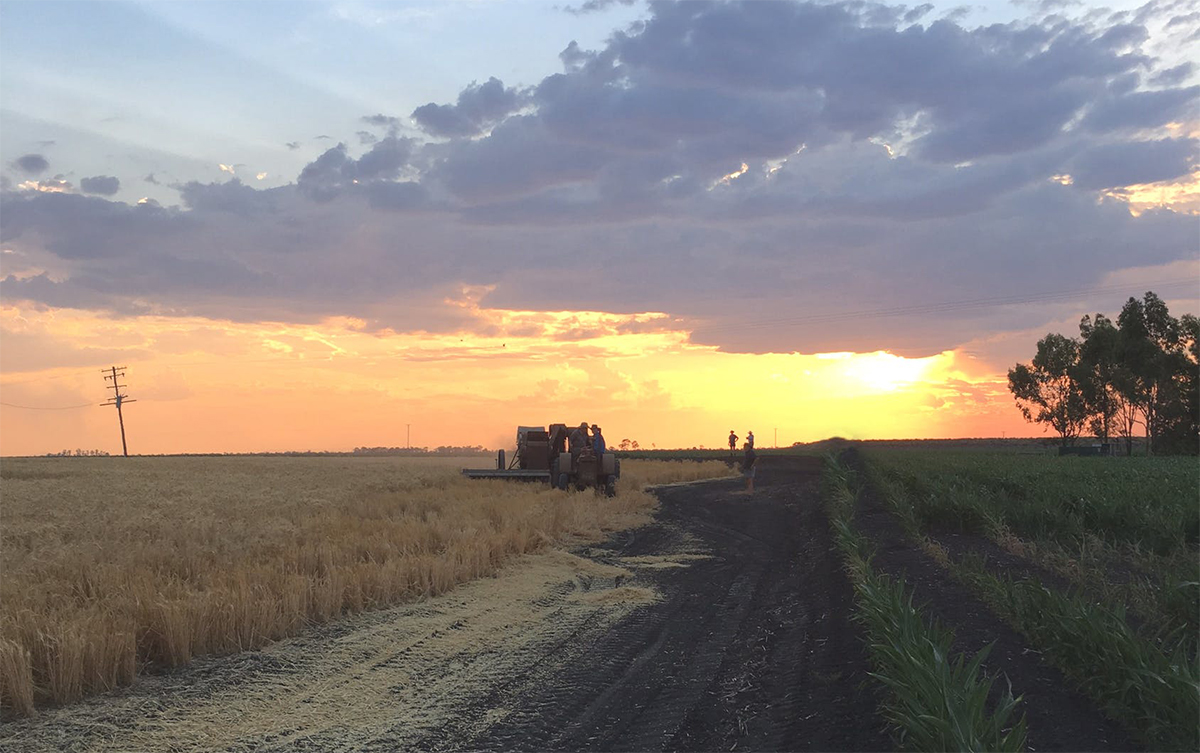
750,649
1058,717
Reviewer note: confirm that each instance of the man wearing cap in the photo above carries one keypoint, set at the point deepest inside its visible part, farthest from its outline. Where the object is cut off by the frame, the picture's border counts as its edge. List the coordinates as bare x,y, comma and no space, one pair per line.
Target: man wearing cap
578,440
598,445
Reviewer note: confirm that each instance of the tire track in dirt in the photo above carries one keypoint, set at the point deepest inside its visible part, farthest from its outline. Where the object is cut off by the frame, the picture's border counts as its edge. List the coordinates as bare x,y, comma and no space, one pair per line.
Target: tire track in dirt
750,648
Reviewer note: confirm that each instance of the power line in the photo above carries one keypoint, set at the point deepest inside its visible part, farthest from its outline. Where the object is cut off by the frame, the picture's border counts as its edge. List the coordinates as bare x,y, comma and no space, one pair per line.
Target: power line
945,307
38,407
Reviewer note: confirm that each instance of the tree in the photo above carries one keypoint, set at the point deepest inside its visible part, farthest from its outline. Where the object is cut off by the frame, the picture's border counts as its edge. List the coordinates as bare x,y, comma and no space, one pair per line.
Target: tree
1152,354
1048,390
1098,373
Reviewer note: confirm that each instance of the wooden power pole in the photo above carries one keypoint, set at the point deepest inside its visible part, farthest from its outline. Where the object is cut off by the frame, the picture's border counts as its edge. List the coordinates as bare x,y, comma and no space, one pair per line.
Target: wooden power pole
118,372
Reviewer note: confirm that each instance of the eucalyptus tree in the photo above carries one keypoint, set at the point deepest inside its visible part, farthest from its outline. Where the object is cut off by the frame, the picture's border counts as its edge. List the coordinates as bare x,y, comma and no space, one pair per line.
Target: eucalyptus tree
1048,390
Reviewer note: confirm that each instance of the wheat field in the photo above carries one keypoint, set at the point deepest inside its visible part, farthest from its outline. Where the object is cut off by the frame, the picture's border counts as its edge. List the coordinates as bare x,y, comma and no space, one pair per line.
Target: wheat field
114,566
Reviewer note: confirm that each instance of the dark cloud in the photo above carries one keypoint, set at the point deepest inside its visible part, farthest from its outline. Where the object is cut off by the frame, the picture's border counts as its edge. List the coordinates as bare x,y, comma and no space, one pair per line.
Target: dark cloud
366,137
593,6
32,164
292,145
104,185
335,170
478,107
1142,109
1173,76
232,196
916,14
1134,162
151,179
382,121
723,163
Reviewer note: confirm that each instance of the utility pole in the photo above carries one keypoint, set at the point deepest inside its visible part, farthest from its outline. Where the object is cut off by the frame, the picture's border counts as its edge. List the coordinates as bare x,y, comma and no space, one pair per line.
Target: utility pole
118,372
777,437
408,436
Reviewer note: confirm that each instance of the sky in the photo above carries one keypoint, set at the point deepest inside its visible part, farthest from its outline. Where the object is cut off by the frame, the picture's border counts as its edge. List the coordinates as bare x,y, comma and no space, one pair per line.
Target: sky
325,225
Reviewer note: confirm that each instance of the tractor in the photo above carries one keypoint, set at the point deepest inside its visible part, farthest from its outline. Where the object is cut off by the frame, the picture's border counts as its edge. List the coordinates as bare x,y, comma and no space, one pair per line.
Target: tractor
542,455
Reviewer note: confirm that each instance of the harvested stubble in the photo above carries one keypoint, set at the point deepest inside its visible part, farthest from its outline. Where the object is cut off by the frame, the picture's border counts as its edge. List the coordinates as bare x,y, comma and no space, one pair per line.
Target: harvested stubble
113,565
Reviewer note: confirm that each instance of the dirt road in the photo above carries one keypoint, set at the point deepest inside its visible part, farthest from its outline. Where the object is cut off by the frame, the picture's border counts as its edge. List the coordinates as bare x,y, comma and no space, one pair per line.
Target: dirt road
723,625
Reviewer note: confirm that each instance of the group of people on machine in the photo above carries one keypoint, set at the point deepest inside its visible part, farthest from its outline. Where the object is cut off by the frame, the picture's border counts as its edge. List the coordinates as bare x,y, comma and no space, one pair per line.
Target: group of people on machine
579,439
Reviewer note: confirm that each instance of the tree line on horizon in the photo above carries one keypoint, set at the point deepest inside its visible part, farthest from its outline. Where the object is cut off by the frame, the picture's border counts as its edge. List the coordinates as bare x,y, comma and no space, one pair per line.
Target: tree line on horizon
1139,374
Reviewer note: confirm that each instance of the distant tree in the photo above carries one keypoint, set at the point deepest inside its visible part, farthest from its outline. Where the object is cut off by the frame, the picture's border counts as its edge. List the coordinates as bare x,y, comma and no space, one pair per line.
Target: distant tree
1047,391
1153,355
1105,381
1189,327
624,445
1098,373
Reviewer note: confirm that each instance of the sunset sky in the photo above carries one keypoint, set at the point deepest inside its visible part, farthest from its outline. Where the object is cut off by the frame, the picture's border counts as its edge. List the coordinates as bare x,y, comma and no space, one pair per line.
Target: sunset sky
315,225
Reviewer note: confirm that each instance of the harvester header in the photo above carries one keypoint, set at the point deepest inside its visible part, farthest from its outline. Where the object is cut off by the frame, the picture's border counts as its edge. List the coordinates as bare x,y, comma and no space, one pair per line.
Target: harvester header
543,455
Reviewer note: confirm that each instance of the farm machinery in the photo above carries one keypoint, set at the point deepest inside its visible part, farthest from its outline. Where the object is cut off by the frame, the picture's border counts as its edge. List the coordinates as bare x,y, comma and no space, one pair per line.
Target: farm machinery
542,455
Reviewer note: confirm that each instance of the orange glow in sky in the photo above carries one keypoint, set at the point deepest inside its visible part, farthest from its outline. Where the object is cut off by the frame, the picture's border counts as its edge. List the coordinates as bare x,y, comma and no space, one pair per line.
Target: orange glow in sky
209,386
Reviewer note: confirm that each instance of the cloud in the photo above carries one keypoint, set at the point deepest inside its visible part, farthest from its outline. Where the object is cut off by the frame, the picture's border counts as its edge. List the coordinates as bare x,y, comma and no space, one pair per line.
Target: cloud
335,170
292,145
1127,163
1142,109
151,179
382,121
1173,76
593,6
32,164
105,185
746,168
478,107
51,185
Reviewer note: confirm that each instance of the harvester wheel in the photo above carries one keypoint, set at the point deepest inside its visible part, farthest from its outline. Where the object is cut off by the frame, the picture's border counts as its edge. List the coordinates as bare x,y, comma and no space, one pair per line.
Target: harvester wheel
563,481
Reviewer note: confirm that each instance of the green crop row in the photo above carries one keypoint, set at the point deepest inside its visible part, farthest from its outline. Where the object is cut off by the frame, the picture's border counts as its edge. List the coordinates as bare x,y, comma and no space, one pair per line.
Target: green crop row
1156,694
1148,503
937,699
1151,681
1078,516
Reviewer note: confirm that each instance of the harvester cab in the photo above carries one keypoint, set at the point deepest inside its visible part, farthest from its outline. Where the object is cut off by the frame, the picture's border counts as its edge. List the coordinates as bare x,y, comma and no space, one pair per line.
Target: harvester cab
542,455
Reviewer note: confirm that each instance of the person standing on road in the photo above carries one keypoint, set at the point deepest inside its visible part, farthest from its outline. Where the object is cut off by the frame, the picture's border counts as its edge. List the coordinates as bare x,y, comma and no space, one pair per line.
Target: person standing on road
748,467
732,442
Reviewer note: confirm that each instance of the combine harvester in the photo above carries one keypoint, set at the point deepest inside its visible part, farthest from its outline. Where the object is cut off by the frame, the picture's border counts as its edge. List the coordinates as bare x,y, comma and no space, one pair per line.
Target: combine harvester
542,456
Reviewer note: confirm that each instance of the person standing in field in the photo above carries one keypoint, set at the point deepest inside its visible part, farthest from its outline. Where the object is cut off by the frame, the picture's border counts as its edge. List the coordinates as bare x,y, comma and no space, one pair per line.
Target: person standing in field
749,467
732,442
750,439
